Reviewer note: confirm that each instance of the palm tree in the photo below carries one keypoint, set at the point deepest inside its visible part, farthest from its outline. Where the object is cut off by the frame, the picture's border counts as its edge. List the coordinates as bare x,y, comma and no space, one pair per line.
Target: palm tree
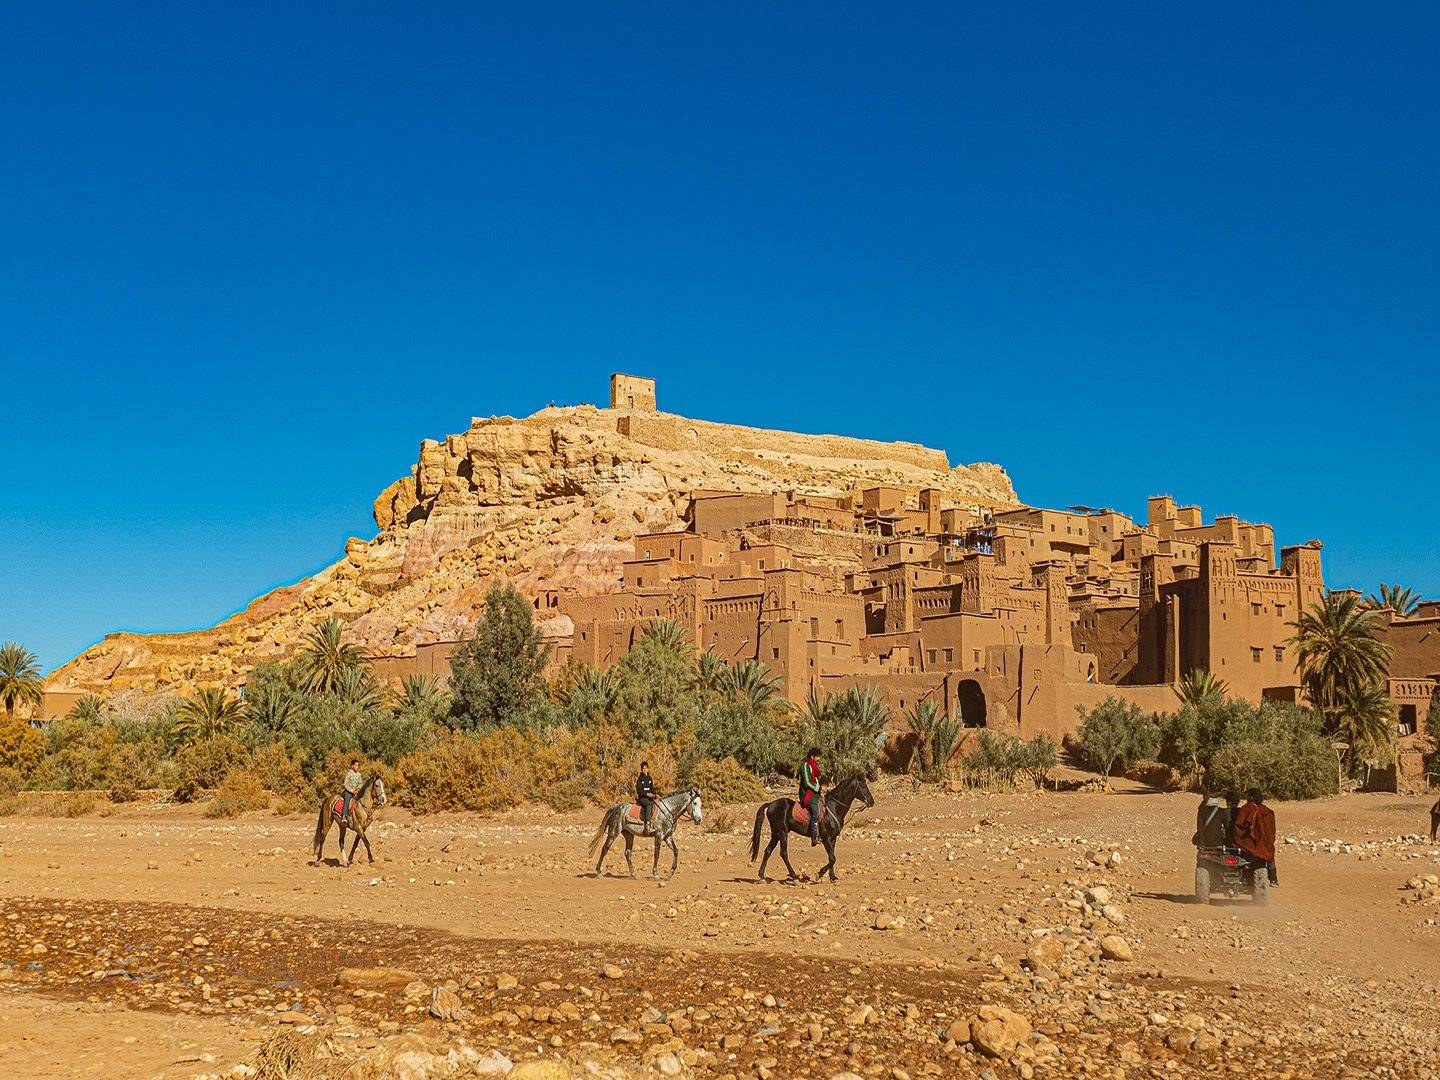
272,708
752,684
1402,601
325,656
1337,649
20,680
210,712
421,693
922,718
669,634
713,672
1365,719
90,709
1202,687
356,686
592,694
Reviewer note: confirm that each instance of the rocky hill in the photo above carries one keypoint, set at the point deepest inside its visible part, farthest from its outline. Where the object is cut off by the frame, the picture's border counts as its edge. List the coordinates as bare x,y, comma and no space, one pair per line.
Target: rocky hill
550,501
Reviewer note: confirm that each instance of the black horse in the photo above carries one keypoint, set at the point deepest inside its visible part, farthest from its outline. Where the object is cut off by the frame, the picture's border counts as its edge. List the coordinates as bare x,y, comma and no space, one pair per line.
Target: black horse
781,815
1434,819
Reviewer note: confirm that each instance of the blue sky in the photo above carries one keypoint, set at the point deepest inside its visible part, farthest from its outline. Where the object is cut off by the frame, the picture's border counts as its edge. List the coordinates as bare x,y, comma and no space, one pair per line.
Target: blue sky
251,255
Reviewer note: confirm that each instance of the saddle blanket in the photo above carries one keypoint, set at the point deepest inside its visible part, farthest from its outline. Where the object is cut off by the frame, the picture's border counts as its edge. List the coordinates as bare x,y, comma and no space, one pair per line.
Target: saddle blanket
634,812
338,805
801,816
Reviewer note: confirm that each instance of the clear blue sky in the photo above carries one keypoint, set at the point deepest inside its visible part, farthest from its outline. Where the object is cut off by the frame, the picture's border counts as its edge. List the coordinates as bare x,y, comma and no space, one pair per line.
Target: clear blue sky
251,254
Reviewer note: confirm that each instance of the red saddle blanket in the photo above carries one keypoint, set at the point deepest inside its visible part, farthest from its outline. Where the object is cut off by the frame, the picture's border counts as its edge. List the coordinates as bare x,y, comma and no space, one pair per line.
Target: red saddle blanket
634,812
801,816
338,805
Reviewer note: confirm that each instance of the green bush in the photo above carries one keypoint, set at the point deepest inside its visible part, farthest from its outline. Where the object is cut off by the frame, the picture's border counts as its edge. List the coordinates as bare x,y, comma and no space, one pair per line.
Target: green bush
1277,747
1115,734
848,728
725,782
206,762
756,738
459,772
999,759
497,671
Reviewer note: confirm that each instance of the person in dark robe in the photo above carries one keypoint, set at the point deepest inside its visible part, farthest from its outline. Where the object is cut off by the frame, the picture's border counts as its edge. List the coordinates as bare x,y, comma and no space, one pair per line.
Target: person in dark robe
1255,833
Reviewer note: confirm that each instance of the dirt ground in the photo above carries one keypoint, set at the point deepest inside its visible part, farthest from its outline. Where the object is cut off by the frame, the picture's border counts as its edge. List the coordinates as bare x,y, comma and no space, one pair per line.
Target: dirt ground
156,942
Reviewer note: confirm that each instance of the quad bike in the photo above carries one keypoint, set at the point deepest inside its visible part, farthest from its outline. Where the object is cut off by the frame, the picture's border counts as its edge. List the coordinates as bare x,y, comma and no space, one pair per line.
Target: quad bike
1230,871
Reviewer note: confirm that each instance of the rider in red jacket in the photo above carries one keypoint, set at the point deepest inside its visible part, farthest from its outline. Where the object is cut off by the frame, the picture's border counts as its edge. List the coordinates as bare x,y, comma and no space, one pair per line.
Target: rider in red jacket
810,791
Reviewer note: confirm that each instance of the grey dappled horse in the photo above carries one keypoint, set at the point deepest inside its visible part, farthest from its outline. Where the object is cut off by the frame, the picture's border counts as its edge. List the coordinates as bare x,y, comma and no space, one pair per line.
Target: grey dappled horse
363,809
781,815
668,812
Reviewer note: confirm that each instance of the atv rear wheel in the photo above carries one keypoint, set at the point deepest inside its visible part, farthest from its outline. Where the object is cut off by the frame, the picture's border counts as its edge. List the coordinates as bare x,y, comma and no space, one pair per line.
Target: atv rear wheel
1202,885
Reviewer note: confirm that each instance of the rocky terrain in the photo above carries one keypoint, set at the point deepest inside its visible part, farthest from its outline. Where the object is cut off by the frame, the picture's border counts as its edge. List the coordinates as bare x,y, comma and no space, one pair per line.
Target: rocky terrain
1047,935
550,501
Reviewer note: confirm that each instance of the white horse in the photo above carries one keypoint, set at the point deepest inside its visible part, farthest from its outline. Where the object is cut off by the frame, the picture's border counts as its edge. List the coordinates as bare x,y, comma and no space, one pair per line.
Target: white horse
624,819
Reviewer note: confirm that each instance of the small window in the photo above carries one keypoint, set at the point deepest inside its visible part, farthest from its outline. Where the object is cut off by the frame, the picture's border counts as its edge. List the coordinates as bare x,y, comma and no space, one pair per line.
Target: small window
1256,609
949,655
1280,653
775,654
647,553
977,655
931,655
1280,610
1255,654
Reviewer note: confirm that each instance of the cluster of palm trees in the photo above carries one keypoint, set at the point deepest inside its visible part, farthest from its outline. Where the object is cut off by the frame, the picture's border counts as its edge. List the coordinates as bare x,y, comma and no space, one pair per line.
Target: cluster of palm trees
1344,666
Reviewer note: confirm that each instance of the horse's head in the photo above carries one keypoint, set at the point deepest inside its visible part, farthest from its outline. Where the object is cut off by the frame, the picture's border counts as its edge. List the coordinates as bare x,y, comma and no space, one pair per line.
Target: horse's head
377,791
862,788
695,812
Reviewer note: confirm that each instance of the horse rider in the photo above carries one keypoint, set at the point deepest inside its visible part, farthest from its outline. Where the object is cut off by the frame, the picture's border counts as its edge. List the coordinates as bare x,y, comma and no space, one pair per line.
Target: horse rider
354,781
645,794
810,791
1255,833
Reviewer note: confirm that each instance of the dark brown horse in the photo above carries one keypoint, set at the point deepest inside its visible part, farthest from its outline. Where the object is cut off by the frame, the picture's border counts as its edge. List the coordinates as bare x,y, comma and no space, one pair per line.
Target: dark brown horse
363,810
1434,819
781,815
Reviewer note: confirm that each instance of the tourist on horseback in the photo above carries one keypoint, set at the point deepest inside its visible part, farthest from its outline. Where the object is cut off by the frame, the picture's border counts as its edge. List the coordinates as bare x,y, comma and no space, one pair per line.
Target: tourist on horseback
645,793
351,788
810,791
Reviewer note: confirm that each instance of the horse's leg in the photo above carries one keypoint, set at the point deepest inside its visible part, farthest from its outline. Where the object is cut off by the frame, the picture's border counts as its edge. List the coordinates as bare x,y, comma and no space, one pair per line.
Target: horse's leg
830,866
674,856
768,849
355,844
629,844
655,862
785,851
343,861
610,839
324,835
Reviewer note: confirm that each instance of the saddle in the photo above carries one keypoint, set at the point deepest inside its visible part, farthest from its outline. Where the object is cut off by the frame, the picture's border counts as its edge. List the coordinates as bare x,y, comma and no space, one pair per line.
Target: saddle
338,806
801,816
634,813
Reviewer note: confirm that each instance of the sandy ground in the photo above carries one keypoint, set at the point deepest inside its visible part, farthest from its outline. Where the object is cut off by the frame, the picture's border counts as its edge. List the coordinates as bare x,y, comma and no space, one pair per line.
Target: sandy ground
1338,970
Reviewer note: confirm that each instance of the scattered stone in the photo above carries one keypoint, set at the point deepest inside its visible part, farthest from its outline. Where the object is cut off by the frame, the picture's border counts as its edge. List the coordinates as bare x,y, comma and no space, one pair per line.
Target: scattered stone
997,1031
1115,947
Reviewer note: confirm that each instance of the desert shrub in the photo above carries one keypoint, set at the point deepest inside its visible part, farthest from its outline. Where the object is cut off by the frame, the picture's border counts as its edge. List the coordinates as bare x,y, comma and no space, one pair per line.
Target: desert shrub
21,746
1114,734
138,765
280,773
999,760
81,757
937,737
457,772
241,791
11,781
1275,746
756,738
204,763
75,804
723,822
725,782
388,737
123,793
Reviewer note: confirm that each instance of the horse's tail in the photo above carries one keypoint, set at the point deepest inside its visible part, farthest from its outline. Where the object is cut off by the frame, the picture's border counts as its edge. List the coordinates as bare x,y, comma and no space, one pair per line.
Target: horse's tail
320,826
607,823
755,836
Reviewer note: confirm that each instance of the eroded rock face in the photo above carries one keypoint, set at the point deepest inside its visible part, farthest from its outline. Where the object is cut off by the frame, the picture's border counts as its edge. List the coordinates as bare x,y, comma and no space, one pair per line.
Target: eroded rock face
550,501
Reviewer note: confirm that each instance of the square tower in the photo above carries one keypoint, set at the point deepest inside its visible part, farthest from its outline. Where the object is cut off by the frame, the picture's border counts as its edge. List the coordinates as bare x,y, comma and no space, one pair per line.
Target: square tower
632,392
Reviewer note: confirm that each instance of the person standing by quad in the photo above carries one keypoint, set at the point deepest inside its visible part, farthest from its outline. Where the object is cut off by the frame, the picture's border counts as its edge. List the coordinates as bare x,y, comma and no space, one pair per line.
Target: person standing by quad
1255,832
810,791
645,794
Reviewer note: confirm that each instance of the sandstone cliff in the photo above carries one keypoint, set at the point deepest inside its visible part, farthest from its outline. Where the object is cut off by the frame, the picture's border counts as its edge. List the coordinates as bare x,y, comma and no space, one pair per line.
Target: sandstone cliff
548,502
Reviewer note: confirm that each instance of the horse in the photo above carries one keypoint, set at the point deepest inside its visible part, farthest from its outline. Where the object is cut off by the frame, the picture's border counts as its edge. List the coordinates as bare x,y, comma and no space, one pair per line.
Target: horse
625,819
780,814
1434,819
363,809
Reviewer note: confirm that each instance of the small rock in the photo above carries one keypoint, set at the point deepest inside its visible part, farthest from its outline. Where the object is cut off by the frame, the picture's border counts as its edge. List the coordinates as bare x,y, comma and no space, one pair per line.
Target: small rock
1115,947
997,1031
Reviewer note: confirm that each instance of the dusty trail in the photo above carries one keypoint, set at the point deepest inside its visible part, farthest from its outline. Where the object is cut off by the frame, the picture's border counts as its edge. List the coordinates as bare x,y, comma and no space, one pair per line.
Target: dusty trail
941,905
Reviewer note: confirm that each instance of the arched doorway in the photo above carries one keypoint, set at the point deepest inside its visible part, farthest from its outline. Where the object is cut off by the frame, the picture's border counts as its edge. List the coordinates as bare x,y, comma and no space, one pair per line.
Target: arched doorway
971,702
